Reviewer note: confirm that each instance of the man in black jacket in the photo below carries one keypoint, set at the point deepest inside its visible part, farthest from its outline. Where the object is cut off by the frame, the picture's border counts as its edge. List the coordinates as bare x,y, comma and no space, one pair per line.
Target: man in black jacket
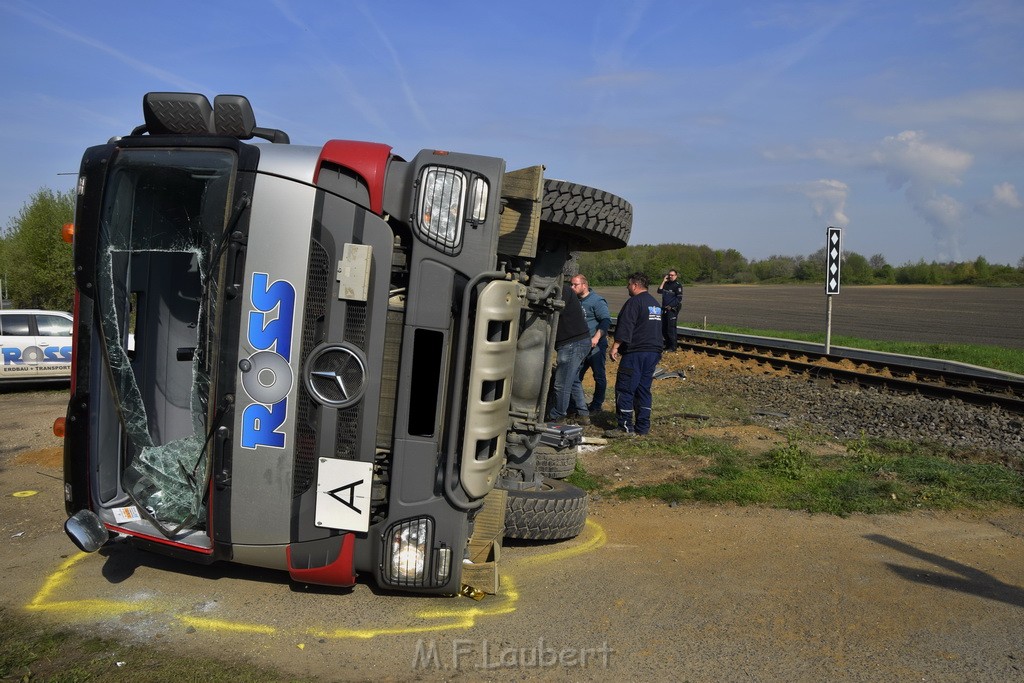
671,291
572,344
638,344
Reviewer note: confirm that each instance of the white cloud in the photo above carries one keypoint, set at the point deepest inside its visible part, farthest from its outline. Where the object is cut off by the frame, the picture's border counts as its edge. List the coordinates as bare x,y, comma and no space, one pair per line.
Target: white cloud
909,159
828,200
1004,198
1005,194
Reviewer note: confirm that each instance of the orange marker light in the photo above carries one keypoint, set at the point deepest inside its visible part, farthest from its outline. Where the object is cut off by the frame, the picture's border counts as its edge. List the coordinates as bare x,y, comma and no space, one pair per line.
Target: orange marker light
67,233
58,427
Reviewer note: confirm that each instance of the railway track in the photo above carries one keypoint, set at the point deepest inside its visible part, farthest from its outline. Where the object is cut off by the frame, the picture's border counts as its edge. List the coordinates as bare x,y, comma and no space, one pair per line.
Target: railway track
906,374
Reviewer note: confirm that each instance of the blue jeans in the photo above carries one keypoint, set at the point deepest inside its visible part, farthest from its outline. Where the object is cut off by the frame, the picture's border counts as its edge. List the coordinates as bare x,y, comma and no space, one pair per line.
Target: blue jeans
595,362
567,377
633,391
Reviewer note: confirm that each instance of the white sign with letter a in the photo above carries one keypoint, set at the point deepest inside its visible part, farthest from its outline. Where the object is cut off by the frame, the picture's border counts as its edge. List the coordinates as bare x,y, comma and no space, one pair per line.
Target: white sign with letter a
343,494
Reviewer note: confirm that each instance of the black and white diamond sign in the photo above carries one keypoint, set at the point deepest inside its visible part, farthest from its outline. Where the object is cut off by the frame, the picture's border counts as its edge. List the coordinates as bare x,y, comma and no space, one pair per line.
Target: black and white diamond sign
833,260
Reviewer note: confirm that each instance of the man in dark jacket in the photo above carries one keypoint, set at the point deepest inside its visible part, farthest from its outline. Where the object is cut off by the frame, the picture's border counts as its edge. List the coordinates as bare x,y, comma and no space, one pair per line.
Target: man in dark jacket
638,343
572,344
671,291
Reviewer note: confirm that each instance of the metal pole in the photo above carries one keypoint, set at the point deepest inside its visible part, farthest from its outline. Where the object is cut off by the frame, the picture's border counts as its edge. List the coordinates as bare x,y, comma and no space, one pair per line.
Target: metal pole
828,325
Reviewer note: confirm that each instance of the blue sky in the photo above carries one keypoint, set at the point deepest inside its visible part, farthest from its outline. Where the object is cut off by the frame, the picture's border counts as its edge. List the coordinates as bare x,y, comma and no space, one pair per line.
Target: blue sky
744,125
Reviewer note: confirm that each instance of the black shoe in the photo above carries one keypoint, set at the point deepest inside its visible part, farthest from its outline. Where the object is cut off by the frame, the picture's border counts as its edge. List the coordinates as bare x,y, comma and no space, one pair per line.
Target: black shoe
618,434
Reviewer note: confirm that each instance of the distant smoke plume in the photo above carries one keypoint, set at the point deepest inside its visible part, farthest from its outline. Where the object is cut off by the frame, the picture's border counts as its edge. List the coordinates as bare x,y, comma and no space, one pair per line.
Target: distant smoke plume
920,168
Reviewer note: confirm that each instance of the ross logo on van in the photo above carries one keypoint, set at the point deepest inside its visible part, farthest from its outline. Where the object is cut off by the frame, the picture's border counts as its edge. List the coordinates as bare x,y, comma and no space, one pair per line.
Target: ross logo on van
34,355
267,375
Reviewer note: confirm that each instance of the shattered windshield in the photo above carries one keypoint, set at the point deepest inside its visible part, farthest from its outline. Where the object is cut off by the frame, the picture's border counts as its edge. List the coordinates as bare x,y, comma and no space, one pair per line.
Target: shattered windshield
161,238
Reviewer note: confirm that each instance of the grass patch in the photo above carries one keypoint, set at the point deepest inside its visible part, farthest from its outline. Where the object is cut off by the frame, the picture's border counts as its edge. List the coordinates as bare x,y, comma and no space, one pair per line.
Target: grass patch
874,476
995,357
33,652
586,481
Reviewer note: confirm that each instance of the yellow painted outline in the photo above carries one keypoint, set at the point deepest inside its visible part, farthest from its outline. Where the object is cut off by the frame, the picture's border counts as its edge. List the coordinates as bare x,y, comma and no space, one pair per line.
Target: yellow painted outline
457,617
79,608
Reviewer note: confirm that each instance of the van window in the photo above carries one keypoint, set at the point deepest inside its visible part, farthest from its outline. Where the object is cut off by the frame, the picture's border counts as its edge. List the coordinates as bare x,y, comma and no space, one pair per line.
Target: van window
14,325
53,326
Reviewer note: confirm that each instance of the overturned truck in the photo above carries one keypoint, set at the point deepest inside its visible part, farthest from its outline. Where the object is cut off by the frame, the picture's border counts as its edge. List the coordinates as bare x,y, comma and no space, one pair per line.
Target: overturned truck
316,359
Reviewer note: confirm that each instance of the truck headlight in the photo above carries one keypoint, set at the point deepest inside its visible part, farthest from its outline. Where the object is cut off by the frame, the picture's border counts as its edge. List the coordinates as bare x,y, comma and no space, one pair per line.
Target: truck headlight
406,548
440,207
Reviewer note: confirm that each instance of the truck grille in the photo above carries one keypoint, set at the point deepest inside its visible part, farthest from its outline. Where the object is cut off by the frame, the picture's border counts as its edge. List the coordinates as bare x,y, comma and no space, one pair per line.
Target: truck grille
318,285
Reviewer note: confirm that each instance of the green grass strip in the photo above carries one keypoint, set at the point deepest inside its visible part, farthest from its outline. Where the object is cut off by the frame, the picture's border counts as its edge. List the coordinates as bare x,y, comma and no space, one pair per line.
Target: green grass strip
995,357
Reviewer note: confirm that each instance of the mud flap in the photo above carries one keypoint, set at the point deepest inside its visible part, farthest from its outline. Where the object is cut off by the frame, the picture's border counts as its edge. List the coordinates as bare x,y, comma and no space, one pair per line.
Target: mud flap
480,568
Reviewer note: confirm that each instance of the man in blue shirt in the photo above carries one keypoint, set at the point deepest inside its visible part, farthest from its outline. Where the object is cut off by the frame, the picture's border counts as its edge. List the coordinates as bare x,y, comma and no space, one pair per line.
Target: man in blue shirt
599,321
638,342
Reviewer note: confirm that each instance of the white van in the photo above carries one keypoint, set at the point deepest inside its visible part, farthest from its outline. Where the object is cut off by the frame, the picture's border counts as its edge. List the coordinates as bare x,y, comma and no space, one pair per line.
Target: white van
35,345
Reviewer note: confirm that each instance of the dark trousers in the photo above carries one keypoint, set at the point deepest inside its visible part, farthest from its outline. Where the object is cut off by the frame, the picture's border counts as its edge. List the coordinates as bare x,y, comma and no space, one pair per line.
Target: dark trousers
669,323
633,391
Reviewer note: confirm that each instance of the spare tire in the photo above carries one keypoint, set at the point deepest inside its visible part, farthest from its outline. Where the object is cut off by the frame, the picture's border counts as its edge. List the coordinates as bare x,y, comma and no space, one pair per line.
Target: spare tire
553,512
554,463
593,219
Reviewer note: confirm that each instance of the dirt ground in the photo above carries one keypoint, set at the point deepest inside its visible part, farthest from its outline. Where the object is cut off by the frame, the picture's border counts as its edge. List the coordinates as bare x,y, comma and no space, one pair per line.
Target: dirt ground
966,315
646,592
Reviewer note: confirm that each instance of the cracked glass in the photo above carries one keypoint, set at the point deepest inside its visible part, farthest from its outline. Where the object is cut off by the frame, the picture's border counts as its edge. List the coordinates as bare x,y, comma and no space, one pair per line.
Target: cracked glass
162,235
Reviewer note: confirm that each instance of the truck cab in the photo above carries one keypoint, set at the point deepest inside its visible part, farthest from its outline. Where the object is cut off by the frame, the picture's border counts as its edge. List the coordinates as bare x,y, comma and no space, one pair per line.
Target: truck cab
337,354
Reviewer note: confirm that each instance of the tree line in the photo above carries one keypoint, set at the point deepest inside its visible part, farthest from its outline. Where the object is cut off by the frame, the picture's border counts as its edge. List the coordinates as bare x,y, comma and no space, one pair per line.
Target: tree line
35,263
702,264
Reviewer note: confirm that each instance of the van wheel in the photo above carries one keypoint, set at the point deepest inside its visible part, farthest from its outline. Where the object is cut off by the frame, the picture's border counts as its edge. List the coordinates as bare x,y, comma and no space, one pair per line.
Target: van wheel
554,463
553,512
595,220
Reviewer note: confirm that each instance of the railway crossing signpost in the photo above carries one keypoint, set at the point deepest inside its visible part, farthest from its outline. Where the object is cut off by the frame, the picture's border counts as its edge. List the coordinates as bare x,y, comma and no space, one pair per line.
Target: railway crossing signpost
833,263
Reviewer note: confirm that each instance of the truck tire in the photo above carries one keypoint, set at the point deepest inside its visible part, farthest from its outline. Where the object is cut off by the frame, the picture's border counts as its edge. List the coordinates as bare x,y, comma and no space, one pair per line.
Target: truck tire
593,219
553,463
554,512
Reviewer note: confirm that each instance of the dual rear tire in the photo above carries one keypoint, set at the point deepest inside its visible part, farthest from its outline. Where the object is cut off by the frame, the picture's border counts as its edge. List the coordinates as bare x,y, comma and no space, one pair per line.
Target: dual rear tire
553,511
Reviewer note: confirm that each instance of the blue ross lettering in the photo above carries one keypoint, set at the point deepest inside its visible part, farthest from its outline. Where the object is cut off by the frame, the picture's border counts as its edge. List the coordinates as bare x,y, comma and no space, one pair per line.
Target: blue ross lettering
12,355
275,333
260,425
269,331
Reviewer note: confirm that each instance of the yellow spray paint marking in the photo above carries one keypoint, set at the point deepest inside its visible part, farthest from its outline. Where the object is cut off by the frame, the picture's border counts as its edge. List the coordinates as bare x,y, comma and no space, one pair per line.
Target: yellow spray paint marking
79,608
24,494
444,619
598,539
456,617
204,624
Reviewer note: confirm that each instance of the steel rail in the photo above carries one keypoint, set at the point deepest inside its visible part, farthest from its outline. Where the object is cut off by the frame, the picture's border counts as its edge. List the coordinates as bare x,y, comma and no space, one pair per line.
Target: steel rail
907,374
